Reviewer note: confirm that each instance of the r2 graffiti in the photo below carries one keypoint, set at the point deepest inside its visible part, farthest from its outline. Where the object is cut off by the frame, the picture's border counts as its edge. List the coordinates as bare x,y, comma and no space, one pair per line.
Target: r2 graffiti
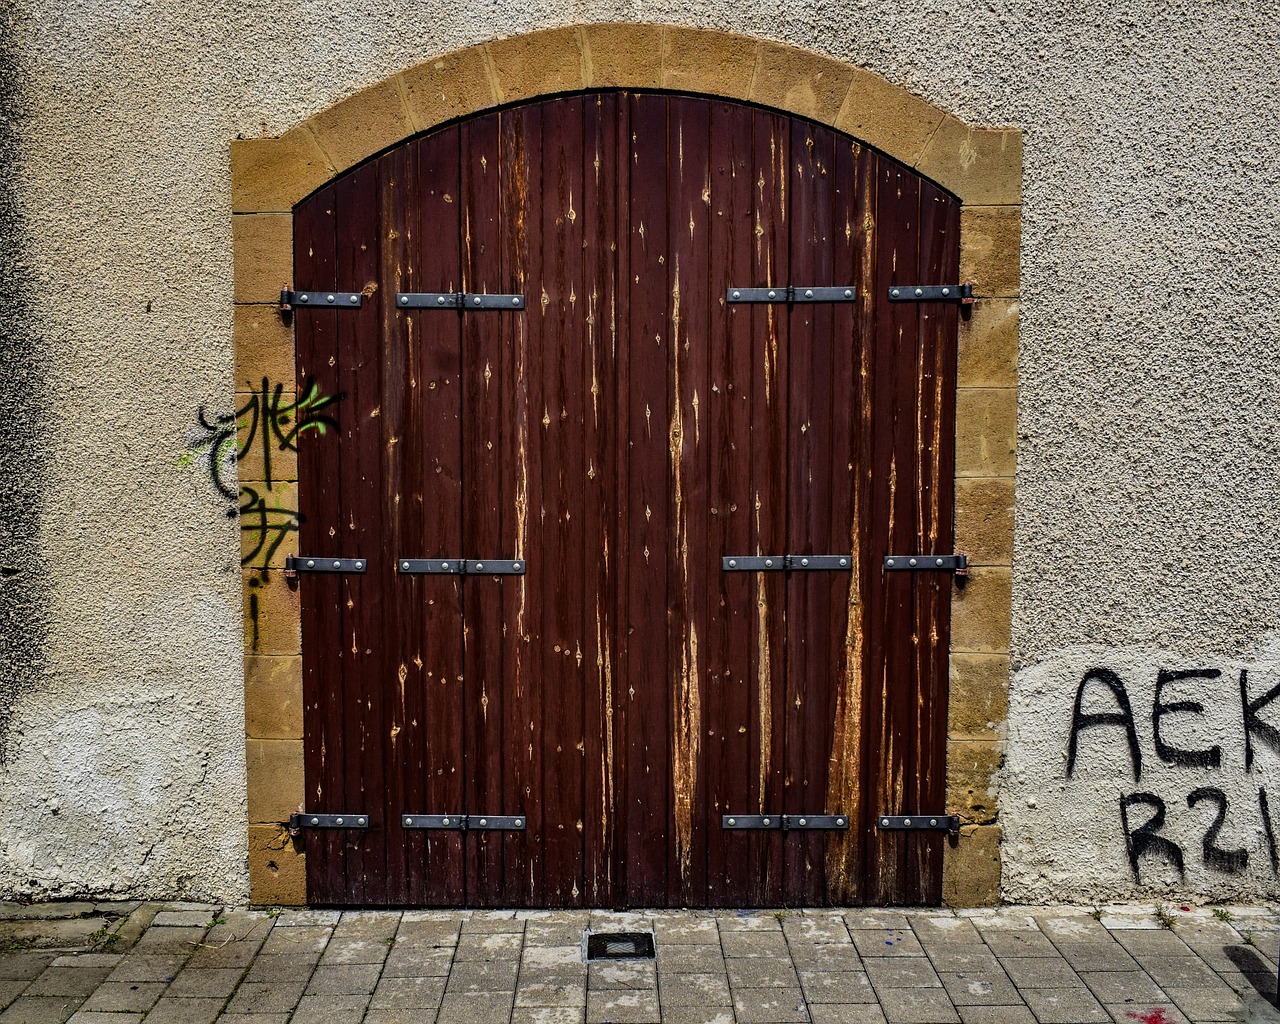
1148,837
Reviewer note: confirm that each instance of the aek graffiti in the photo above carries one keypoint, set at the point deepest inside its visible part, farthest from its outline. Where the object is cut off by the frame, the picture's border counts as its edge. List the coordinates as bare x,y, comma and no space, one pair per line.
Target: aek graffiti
1143,814
269,423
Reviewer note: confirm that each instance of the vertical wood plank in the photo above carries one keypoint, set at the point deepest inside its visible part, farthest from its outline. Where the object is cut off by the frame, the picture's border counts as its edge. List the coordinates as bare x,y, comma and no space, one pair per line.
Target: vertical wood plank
320,514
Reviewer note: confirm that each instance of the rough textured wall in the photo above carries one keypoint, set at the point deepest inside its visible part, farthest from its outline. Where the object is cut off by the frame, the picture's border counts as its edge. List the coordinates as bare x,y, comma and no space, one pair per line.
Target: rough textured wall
1146,477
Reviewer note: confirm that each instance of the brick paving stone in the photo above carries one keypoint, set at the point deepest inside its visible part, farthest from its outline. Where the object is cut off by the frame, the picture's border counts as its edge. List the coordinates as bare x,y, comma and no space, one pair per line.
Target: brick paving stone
346,950
1122,986
1072,928
1116,918
406,993
940,931
886,942
1164,1012
298,939
682,930
1156,943
487,921
694,1015
1180,971
622,975
169,940
875,919
344,980
551,992
172,1010
184,918
489,946
542,1015
815,928
902,972
753,944
1065,1006
995,1015
538,958
825,957
693,990
846,1013
368,923
24,966
1040,972
40,1010
1006,919
308,918
75,982
254,1018
769,1006
962,958
409,962
748,920
104,1017
483,976
837,987
631,1006
10,990
330,1010
690,959
212,983
274,997
125,996
283,967
428,933
87,960
147,967
1097,956
226,954
979,989
541,933
761,972
1018,943
917,1006
1214,1003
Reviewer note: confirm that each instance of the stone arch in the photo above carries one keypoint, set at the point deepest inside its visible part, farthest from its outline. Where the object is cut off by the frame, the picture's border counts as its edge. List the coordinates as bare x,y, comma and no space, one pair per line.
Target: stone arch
981,166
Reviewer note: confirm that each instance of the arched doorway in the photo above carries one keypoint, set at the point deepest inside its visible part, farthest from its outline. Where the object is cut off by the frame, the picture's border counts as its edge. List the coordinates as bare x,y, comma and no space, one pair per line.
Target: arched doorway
673,660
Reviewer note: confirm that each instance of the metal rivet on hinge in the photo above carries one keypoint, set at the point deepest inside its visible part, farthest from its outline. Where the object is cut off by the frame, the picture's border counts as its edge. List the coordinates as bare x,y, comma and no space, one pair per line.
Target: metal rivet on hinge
737,295
848,293
844,561
939,562
479,565
404,565
804,561
933,821
906,821
519,822
311,563
946,291
444,565
476,301
733,821
768,562
895,293
839,821
338,821
733,563
919,291
765,821
888,562
337,565
408,821
315,821
911,561
808,294
359,565
404,300
803,822
355,299
484,821
444,821
303,297
359,821
884,821
328,298
439,300
515,566
515,300
772,293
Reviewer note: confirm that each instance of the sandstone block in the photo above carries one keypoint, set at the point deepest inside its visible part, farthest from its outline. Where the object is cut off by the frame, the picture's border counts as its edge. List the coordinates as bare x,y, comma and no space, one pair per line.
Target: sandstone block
272,618
980,612
983,166
715,63
536,64
988,356
990,249
984,519
262,252
276,784
971,868
972,783
270,175
449,86
801,82
622,55
361,125
273,697
887,116
986,431
264,348
979,695
277,868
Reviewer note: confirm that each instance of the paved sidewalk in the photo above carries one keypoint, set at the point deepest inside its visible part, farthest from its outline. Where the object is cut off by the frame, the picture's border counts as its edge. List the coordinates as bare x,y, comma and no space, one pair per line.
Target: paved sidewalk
192,964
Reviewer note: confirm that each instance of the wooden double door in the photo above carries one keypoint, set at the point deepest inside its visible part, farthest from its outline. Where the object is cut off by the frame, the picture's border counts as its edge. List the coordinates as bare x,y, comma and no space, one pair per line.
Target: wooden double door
618,427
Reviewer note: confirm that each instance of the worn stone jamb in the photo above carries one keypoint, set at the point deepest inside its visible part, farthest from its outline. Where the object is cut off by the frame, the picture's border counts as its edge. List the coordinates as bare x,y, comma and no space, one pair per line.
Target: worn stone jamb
982,166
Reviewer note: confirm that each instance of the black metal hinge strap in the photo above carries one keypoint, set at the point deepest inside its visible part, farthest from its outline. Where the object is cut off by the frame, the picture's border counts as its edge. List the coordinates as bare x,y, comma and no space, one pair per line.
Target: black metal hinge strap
919,823
357,820
791,293
962,293
290,299
786,822
307,563
457,300
925,563
781,563
462,822
460,566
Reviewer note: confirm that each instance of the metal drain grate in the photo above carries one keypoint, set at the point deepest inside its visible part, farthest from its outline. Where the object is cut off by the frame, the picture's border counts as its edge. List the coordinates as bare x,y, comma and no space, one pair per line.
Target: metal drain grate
620,946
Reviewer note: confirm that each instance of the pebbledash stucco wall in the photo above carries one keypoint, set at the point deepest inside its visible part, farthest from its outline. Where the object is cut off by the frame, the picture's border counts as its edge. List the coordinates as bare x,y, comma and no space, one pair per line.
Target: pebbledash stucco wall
1146,421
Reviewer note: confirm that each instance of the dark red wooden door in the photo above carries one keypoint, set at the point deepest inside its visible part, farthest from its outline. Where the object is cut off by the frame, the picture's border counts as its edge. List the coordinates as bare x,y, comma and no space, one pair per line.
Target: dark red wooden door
620,434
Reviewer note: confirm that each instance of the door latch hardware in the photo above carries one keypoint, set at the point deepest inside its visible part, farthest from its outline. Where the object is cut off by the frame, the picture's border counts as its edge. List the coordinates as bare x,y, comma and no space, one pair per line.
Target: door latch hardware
961,293
919,823
460,566
457,300
925,563
786,822
294,564
297,821
790,293
462,822
781,563
290,298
